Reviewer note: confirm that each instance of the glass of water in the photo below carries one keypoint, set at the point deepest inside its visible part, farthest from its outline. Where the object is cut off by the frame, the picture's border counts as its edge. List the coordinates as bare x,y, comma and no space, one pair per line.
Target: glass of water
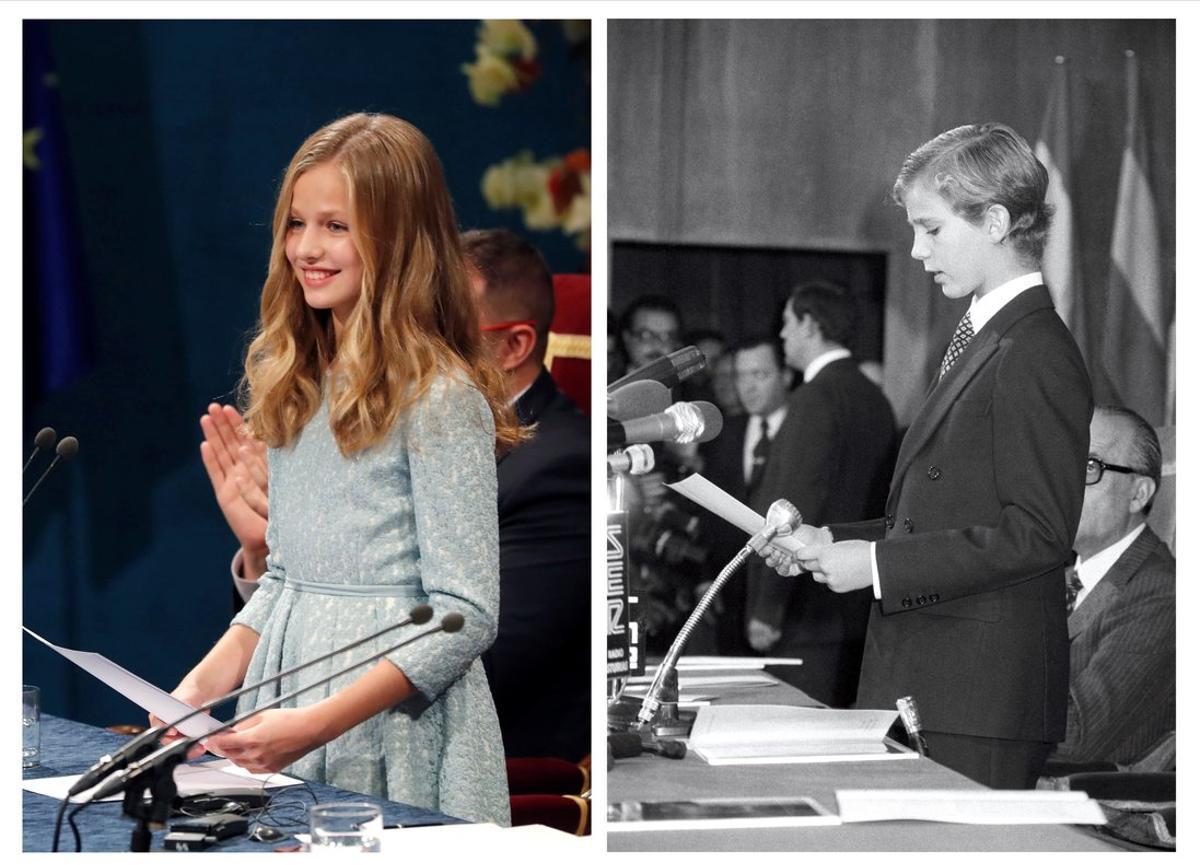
31,726
345,827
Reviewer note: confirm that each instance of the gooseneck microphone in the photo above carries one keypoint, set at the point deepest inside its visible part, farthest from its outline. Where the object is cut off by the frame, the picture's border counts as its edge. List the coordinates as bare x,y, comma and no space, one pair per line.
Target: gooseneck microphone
669,371
682,423
43,441
782,519
144,743
67,448
168,756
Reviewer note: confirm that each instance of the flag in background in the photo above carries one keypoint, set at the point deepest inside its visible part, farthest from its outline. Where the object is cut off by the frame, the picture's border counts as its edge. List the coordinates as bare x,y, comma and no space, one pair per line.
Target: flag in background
57,325
1135,327
1060,261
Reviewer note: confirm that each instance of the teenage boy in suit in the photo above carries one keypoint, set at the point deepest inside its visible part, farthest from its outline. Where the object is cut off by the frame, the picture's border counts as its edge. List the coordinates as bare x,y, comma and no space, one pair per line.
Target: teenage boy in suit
966,565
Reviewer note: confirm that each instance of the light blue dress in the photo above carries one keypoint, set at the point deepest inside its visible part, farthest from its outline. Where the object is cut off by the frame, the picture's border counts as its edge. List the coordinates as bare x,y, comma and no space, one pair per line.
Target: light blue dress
354,544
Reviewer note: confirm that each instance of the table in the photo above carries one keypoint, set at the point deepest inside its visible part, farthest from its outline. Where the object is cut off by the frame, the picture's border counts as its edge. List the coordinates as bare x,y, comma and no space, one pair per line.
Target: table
653,778
69,748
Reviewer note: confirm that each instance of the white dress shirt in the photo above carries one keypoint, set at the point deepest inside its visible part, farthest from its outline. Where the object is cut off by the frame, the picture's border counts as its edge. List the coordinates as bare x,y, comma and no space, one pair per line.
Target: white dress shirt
1091,571
821,361
754,432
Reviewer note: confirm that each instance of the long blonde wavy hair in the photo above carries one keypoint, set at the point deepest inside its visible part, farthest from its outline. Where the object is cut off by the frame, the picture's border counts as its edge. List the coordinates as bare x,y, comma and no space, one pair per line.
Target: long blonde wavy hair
414,318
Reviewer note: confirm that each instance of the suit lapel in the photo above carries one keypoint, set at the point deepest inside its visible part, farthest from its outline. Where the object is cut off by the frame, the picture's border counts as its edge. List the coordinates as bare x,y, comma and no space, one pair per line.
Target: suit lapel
1107,592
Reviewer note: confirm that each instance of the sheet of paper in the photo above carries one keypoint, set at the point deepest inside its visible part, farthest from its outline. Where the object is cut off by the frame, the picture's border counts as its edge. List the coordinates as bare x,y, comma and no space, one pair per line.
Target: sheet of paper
135,688
190,778
991,807
712,498
744,680
731,662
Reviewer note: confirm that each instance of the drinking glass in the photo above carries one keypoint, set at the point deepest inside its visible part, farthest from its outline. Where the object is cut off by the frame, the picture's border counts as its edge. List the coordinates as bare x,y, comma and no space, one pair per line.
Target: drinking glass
344,827
31,726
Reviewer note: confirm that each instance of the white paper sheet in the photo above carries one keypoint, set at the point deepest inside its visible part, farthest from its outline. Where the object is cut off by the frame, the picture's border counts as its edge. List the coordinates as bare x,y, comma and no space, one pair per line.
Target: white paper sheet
989,807
712,498
191,778
149,697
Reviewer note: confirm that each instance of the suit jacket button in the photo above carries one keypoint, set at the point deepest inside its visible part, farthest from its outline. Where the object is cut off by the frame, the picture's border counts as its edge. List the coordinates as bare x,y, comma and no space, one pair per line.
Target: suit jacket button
906,602
920,600
933,599
934,473
889,521
908,525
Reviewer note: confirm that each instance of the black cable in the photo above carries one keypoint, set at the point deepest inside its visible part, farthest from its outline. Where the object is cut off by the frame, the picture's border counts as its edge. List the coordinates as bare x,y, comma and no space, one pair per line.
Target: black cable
58,821
74,828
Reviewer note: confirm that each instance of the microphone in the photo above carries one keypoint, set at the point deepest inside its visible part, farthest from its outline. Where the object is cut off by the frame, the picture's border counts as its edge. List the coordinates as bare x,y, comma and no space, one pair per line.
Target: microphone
625,745
668,371
145,742
633,460
912,725
45,440
782,519
638,399
67,448
682,423
175,752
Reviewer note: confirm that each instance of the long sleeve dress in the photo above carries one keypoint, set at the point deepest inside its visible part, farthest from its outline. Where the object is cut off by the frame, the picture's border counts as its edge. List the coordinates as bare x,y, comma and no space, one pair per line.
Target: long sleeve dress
354,544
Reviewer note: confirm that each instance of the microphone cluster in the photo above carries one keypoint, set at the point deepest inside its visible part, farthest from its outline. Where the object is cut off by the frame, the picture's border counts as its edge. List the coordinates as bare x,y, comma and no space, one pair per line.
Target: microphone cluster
640,410
43,441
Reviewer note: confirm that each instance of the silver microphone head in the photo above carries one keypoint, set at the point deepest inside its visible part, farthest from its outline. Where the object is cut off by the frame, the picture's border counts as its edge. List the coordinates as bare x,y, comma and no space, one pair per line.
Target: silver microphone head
782,518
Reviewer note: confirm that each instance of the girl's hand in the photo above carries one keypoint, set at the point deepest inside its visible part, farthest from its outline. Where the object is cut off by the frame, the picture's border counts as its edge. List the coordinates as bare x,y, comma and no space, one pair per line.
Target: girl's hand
193,696
236,466
269,742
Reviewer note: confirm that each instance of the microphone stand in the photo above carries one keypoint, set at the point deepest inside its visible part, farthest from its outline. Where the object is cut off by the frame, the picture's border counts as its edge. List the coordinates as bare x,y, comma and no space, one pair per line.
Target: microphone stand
155,773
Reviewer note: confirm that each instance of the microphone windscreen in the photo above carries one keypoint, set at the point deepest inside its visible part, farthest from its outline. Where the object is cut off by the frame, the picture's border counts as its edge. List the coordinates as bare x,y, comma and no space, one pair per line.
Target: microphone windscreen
638,399
452,622
713,420
68,447
624,745
420,614
45,438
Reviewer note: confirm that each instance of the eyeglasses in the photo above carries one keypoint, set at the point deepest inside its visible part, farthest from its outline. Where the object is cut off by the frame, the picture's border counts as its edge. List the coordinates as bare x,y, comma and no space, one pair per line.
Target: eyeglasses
1096,469
505,325
667,337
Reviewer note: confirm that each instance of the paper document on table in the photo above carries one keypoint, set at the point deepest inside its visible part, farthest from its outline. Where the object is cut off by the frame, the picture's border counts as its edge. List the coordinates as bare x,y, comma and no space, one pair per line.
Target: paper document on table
191,779
149,697
730,662
711,497
991,807
744,735
741,680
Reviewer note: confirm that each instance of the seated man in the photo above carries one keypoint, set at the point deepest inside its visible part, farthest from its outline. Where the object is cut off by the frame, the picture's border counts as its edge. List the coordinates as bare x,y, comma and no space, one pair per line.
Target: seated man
1121,602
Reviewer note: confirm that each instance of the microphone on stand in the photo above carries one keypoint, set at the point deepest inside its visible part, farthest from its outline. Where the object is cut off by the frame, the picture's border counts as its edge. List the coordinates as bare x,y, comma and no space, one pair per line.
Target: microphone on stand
44,440
782,519
67,448
145,742
668,371
170,755
633,460
682,423
637,399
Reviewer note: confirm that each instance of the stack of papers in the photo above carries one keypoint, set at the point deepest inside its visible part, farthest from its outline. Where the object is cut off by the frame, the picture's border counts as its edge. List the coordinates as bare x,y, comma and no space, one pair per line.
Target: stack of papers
992,807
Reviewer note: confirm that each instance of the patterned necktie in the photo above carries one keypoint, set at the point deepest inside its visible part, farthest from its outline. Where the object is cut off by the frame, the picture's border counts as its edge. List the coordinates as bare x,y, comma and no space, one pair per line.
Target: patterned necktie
1073,586
758,457
958,343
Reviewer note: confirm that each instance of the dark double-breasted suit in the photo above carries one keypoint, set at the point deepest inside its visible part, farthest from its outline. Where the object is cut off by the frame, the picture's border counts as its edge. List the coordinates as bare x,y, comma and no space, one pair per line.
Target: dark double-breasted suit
1122,697
831,458
539,666
980,520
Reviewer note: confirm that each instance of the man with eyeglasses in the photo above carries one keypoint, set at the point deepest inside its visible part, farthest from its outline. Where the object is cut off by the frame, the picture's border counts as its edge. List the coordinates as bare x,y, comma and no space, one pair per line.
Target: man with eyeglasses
650,328
1120,598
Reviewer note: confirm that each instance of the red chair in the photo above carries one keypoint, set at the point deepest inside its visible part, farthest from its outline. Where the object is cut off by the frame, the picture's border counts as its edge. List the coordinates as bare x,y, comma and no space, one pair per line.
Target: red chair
569,348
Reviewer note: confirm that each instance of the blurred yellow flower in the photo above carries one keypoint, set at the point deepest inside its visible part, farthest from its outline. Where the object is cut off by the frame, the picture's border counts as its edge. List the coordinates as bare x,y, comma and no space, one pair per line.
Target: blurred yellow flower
489,77
508,39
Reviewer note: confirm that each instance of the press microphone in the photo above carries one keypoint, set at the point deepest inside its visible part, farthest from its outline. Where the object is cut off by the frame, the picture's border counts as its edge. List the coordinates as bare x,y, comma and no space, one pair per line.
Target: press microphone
145,742
638,399
176,751
668,371
45,440
682,423
782,519
633,460
67,448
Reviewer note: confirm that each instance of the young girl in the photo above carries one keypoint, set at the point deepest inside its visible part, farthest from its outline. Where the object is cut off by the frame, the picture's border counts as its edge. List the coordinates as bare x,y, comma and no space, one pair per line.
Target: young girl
368,381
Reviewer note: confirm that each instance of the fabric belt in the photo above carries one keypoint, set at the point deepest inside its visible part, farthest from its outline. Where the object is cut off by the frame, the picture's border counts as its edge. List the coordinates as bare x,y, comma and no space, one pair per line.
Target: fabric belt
355,591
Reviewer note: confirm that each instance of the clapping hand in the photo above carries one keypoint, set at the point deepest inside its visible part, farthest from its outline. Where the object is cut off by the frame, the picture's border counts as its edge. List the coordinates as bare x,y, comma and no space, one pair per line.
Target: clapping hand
237,467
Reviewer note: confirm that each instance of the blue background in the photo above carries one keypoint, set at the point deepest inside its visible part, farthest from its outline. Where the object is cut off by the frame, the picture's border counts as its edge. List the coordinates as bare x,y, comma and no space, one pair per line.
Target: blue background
177,134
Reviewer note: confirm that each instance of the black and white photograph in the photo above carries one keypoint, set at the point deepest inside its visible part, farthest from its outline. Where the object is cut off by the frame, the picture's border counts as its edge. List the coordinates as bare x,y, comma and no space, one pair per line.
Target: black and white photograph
892,406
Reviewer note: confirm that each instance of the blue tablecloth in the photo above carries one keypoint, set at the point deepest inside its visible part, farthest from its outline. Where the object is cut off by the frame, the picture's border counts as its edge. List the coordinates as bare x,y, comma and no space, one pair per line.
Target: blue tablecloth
69,748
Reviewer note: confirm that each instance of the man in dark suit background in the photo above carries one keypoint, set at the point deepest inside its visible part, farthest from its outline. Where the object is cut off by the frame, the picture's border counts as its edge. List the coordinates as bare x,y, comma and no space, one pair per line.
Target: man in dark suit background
967,563
539,667
1121,598
831,458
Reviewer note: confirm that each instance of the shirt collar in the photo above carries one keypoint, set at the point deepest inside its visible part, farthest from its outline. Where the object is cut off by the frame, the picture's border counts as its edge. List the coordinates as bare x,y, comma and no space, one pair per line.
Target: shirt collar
1092,570
823,360
982,309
